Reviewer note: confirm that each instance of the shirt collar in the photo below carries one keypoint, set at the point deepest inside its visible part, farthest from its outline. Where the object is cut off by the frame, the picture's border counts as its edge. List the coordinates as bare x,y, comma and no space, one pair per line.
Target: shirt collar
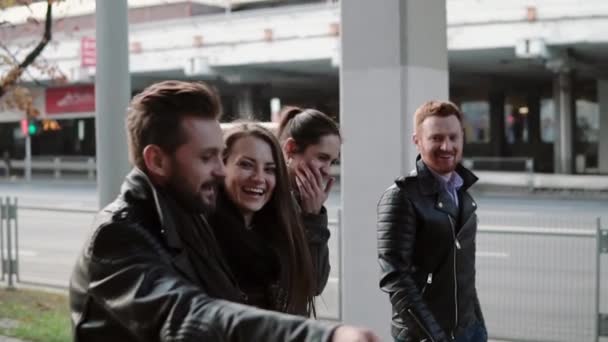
452,181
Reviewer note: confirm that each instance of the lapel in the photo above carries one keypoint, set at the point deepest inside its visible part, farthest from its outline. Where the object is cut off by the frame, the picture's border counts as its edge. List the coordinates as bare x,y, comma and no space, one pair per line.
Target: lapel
445,203
180,260
468,206
138,185
430,186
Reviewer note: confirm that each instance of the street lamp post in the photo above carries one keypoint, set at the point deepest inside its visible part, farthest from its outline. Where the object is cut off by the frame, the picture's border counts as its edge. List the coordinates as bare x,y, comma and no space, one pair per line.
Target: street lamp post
112,95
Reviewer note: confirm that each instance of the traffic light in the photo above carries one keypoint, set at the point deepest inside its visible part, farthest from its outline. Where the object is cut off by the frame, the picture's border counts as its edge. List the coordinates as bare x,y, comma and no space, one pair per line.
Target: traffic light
29,127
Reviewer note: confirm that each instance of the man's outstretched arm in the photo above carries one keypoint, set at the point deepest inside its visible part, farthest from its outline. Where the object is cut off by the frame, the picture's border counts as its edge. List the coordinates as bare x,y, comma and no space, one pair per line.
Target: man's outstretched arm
137,285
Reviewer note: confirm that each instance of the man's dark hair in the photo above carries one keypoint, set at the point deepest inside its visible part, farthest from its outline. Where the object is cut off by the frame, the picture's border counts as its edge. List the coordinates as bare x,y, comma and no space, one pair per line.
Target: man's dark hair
155,115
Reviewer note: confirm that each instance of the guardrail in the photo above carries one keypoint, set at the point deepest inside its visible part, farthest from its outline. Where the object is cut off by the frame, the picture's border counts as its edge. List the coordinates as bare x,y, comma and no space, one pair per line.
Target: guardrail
538,278
548,288
56,165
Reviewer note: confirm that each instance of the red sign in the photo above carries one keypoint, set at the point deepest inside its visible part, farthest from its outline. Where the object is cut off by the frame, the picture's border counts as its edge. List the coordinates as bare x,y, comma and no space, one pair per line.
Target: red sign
75,99
88,52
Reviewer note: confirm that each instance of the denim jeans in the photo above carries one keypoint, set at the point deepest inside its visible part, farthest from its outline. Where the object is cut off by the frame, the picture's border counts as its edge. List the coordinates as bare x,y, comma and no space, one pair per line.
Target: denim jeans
474,333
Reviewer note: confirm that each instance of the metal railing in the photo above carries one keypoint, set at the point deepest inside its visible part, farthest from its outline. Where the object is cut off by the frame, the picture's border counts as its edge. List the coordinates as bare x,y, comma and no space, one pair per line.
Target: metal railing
538,278
543,281
57,165
526,164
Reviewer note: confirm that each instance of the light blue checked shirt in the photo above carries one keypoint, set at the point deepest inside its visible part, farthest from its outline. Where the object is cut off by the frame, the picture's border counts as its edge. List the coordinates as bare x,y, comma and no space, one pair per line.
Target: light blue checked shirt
451,184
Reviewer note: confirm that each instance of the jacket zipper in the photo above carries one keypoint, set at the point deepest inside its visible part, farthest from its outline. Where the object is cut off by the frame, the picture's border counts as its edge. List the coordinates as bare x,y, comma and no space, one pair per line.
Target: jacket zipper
455,276
429,281
420,324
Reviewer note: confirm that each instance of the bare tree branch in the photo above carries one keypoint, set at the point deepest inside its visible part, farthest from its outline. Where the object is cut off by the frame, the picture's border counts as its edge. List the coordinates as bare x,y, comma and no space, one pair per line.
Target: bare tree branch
15,61
13,75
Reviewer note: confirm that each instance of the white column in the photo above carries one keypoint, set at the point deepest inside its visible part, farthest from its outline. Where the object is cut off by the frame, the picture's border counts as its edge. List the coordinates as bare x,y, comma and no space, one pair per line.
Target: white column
112,95
27,168
244,104
602,96
562,96
394,57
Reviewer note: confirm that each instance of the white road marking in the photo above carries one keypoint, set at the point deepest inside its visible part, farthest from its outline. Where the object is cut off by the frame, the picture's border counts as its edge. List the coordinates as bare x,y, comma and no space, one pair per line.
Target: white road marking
27,253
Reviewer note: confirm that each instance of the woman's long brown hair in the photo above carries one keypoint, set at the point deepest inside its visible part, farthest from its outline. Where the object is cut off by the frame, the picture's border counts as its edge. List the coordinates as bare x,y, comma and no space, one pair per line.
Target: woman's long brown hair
287,232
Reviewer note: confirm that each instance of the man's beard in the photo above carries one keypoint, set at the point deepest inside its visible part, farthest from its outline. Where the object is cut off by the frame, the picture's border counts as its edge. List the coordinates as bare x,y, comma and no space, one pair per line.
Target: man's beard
191,200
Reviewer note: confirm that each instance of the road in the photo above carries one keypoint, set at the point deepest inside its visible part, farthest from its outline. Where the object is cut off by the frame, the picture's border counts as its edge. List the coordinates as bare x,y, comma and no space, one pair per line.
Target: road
531,287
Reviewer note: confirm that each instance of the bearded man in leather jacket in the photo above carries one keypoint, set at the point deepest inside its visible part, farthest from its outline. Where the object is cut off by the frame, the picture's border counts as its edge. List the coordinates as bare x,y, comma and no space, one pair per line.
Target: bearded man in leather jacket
426,237
152,269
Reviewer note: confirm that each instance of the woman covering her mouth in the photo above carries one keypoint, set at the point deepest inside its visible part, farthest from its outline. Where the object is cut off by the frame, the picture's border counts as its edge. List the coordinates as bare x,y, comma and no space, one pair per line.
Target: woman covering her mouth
258,226
311,142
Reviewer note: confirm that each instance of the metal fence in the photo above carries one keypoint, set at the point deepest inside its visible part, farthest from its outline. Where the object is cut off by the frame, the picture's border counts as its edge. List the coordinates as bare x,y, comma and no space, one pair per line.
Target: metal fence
45,243
538,277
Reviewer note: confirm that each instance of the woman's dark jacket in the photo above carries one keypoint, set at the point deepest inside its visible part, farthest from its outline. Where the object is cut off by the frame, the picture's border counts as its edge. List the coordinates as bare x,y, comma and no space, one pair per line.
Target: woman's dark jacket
426,251
255,262
152,271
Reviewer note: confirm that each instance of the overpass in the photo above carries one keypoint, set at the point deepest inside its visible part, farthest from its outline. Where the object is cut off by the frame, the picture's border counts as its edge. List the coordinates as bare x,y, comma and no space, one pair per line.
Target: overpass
540,56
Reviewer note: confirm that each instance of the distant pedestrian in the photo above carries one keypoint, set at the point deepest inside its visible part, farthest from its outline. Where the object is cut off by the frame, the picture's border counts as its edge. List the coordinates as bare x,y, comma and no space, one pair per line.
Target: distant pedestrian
426,237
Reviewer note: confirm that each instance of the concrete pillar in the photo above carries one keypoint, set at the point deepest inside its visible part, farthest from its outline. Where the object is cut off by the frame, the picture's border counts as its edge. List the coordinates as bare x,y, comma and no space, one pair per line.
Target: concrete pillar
564,120
112,95
389,67
602,98
533,117
244,104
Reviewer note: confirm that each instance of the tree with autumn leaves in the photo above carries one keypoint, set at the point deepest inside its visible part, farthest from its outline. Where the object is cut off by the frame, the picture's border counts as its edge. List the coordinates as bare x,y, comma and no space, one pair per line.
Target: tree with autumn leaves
12,95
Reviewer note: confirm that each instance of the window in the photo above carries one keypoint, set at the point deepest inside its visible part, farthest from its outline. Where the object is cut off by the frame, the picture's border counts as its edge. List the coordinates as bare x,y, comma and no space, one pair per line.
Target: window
547,120
587,121
476,121
516,120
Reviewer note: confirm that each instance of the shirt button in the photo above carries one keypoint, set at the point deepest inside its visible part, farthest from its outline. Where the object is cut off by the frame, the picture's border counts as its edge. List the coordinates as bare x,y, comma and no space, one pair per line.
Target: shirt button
440,204
474,204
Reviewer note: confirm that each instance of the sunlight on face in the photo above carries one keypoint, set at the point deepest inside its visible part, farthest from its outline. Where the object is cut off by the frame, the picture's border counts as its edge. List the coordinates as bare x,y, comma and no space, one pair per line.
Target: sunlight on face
440,141
250,174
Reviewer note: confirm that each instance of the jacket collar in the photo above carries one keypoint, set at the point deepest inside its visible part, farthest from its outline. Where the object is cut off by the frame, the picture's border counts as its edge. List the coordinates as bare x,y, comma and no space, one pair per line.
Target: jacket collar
138,186
429,184
196,252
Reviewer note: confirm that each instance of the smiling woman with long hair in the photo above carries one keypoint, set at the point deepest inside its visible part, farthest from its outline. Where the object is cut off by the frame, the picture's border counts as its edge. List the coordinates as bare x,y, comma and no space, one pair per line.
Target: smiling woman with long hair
259,227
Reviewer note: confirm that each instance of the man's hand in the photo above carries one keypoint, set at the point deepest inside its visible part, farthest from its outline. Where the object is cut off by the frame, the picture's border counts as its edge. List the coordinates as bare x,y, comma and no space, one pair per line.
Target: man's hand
313,193
347,333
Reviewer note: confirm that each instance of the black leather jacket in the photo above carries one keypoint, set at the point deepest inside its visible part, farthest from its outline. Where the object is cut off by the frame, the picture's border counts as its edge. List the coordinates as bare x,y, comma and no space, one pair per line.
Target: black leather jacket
426,251
133,282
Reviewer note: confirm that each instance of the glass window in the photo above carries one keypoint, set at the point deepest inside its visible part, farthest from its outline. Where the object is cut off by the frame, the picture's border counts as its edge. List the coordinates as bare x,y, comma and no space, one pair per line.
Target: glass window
516,120
587,121
476,121
547,120
586,136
